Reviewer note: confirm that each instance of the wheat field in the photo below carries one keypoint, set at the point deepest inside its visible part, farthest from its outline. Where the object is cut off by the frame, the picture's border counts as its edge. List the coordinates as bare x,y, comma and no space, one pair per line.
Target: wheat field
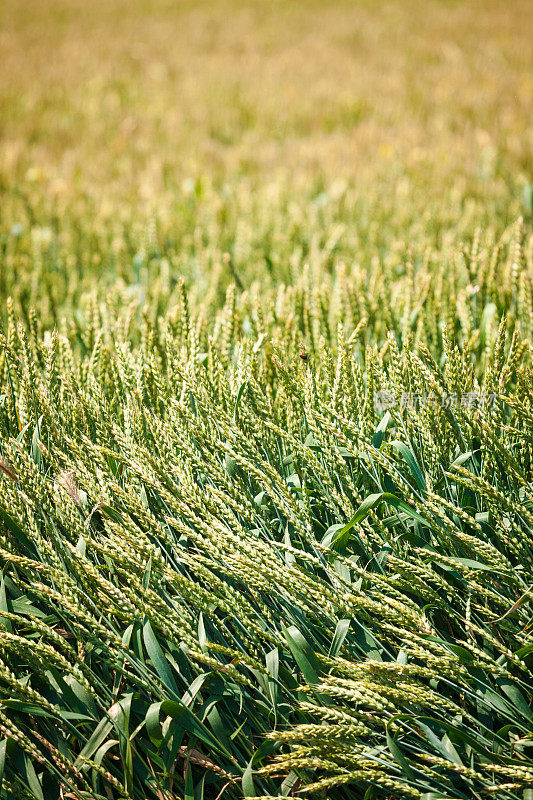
266,400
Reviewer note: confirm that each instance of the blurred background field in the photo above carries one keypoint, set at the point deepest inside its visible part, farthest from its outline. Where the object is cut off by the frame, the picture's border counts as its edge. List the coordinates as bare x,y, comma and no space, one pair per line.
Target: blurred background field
149,138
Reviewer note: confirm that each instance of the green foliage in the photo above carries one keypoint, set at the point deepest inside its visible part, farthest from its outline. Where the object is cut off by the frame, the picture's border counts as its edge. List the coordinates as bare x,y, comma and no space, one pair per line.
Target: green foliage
224,565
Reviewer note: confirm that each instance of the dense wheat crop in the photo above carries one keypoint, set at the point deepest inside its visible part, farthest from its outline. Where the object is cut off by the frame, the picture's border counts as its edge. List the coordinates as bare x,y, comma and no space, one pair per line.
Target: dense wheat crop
266,400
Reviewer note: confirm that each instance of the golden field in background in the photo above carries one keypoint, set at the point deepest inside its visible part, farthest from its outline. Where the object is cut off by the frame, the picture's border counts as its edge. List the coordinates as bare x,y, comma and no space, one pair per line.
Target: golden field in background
256,132
125,100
